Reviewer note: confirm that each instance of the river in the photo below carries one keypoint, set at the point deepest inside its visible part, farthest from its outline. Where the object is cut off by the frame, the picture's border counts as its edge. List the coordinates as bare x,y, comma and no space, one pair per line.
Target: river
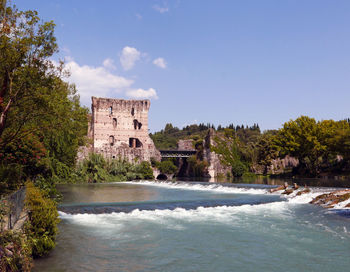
190,226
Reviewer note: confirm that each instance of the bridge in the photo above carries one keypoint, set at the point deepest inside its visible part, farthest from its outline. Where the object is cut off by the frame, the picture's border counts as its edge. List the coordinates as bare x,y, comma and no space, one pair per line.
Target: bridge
177,153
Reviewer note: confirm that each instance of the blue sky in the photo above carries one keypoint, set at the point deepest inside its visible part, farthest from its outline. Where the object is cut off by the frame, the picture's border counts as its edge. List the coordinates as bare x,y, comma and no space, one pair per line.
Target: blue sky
221,62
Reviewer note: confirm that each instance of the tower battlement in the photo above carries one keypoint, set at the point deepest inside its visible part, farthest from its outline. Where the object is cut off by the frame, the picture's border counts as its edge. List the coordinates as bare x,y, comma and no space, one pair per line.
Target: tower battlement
120,104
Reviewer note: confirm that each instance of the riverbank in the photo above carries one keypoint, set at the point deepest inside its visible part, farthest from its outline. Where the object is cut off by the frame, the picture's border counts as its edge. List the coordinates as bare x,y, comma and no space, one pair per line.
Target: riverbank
28,228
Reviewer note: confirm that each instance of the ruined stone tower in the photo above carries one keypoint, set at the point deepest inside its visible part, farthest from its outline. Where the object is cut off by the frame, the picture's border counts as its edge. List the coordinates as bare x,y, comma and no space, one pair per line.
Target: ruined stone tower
119,129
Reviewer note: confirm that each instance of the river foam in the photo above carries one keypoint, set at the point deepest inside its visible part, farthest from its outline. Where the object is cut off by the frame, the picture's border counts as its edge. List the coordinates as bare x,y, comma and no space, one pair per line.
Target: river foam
201,187
218,188
222,214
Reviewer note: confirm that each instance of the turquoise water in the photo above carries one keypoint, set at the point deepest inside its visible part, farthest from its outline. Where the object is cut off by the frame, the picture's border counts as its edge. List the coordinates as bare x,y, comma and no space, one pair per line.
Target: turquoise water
195,227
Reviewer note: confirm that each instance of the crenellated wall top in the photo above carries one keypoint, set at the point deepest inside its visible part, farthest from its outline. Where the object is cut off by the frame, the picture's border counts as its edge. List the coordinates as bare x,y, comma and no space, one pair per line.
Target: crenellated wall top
120,104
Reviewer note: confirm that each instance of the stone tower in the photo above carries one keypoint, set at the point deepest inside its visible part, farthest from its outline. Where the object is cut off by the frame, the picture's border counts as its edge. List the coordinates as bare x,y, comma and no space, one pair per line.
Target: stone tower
119,129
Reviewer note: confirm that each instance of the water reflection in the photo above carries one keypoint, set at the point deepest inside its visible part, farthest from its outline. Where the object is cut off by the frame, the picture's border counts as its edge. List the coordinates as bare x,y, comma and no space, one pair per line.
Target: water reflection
108,192
315,182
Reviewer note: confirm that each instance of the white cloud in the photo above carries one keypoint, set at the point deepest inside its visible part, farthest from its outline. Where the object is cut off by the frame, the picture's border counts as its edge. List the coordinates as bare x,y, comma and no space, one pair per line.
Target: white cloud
142,94
101,82
160,62
129,57
138,16
95,81
109,64
66,50
160,9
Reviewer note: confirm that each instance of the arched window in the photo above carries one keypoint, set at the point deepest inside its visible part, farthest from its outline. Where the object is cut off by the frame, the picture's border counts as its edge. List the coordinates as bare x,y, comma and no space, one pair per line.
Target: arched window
134,143
110,110
137,124
115,123
111,140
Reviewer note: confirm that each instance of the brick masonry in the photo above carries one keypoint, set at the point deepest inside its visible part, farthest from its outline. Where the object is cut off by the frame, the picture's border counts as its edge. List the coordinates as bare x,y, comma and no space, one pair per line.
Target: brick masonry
119,129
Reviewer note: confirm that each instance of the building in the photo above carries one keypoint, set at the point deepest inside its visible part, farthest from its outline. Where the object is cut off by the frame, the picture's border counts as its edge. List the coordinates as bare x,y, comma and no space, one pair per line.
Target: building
119,129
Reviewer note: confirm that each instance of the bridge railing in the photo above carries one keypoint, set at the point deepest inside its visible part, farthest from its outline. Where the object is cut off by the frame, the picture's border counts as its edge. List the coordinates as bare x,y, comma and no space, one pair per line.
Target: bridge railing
177,153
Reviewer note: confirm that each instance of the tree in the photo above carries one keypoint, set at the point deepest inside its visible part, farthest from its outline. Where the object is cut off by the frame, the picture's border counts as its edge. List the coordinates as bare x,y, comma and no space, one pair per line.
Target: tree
314,143
37,108
267,150
25,48
338,137
300,139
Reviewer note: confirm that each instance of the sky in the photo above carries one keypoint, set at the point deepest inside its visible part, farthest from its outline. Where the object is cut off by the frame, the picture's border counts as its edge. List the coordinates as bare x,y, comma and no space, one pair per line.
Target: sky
201,61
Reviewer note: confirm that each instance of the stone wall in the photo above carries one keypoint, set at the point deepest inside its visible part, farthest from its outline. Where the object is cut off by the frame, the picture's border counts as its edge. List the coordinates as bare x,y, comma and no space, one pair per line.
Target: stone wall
185,145
119,128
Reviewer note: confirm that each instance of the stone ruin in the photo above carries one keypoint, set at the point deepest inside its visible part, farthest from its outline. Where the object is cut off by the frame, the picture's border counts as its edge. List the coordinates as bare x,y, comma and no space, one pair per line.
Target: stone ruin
216,167
185,145
119,129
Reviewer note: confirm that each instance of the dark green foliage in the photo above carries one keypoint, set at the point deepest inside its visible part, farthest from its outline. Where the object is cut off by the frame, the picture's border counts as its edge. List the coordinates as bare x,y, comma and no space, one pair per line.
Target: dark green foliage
10,175
197,167
167,167
43,220
238,168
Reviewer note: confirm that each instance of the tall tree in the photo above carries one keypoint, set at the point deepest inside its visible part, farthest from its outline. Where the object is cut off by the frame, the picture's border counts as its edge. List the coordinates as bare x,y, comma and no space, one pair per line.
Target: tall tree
25,48
41,119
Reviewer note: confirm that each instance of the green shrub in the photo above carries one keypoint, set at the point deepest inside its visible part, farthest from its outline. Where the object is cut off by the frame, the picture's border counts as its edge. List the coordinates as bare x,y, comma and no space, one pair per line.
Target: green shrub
154,162
96,168
118,167
131,176
93,169
238,168
43,220
15,252
167,167
146,170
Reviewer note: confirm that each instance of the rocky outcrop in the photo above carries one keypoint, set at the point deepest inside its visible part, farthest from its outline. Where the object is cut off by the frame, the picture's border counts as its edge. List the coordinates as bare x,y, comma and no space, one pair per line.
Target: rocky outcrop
339,199
280,188
278,166
329,200
215,168
305,191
